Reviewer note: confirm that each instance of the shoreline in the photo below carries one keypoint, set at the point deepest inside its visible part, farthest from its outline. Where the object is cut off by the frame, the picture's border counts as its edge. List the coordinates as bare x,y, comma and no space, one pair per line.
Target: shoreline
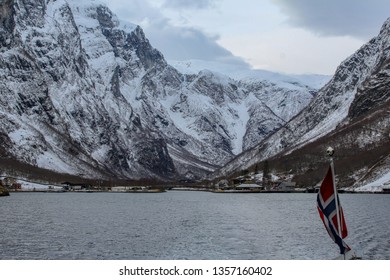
181,190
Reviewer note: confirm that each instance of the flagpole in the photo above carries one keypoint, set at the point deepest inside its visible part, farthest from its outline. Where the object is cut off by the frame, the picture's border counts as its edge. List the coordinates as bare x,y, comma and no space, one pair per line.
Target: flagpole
331,153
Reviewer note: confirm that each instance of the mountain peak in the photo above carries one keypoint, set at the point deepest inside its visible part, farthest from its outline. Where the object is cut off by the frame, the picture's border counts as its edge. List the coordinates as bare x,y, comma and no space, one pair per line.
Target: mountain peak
349,112
83,93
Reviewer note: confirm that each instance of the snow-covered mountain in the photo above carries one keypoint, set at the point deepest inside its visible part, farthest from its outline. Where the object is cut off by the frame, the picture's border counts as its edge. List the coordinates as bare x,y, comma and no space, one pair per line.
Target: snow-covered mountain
351,113
243,72
83,93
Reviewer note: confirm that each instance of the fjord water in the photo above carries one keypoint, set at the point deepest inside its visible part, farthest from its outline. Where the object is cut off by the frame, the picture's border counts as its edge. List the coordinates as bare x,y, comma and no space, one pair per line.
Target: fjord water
185,225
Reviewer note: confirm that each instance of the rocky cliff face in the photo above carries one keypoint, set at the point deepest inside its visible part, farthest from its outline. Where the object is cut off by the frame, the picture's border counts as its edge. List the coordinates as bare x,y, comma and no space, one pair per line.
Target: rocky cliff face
83,93
375,90
58,112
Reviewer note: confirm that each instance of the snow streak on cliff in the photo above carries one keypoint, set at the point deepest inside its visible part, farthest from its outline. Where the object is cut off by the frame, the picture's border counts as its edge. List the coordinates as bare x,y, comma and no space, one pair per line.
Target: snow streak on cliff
83,93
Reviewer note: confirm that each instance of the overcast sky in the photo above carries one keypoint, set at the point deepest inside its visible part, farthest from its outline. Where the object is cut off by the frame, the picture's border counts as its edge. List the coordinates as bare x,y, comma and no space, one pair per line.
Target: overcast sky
288,36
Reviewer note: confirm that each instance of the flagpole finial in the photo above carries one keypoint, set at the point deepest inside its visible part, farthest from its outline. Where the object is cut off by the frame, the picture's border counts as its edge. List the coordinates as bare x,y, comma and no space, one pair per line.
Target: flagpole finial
330,151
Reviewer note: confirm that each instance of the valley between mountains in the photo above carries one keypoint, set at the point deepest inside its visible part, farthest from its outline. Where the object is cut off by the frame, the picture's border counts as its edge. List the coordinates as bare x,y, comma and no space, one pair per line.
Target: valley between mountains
84,95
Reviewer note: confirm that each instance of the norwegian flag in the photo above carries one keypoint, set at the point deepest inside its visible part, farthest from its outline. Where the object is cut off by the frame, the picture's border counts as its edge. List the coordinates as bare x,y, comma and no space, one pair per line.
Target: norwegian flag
326,204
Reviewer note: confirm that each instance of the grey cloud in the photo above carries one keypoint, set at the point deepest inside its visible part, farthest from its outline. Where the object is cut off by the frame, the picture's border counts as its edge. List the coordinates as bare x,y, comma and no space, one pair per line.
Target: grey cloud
176,43
188,4
357,18
184,43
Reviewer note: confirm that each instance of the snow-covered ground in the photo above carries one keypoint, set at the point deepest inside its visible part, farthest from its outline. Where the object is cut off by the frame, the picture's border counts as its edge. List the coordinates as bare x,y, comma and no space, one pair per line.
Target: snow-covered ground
31,186
377,185
194,66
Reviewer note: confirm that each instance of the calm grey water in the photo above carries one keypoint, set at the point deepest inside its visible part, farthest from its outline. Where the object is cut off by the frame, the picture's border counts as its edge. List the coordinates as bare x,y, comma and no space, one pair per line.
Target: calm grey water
185,225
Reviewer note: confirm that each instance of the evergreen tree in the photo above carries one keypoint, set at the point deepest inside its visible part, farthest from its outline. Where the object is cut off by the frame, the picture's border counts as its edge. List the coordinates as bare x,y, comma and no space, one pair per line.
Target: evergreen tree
256,169
266,175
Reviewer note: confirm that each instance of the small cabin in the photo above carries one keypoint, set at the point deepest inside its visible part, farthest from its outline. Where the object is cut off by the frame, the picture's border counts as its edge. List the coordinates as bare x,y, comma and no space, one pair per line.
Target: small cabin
249,187
118,189
287,186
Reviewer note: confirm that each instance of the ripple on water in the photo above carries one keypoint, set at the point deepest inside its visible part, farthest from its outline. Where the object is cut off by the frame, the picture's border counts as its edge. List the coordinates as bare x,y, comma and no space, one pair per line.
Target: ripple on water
185,225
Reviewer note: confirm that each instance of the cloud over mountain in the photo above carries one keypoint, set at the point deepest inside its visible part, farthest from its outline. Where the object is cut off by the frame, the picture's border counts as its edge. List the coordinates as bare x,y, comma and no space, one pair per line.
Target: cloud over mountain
356,18
175,42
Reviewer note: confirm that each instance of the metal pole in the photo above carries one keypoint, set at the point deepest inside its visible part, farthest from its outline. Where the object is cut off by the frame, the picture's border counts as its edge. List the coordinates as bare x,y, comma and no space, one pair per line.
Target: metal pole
336,199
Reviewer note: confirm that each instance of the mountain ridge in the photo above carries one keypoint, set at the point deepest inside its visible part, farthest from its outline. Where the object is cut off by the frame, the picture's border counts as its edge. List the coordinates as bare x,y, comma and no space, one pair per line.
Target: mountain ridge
359,88
86,94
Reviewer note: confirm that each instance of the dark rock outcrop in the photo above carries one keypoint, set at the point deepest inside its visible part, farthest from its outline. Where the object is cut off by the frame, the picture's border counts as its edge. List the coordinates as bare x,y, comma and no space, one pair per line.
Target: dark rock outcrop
83,93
